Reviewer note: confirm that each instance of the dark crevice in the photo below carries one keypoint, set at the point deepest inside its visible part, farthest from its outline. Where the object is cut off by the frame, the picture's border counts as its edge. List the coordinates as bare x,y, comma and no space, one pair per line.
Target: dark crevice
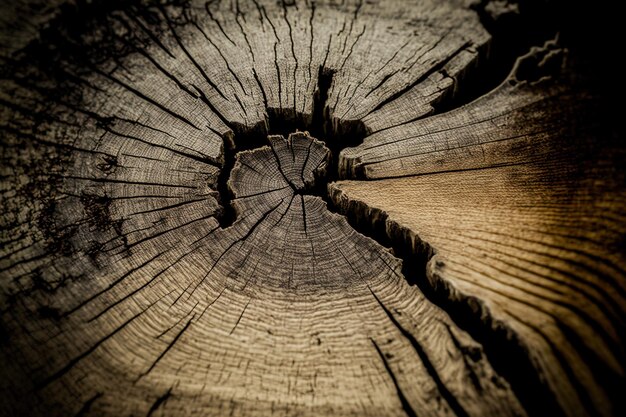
167,349
428,365
244,139
84,410
514,29
159,402
506,354
405,404
335,134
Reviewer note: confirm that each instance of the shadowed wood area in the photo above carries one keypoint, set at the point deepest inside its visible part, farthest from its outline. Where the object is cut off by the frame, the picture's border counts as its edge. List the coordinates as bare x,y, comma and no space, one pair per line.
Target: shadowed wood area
529,235
306,208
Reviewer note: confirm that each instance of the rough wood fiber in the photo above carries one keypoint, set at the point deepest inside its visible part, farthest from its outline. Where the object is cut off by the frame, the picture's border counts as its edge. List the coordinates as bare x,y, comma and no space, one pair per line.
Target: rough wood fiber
529,233
166,252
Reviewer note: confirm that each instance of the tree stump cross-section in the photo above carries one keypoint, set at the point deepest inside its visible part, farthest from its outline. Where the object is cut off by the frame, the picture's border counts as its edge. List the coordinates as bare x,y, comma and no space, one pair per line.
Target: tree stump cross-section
304,208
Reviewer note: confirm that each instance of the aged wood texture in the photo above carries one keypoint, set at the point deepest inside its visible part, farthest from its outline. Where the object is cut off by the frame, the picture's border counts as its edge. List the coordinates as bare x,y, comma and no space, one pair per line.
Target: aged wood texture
171,176
529,233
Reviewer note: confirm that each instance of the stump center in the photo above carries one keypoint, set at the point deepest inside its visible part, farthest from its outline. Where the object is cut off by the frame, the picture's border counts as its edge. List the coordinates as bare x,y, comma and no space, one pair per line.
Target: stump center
299,162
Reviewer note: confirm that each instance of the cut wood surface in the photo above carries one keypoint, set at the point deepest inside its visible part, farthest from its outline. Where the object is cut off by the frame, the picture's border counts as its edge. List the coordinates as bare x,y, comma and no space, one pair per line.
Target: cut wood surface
284,208
528,232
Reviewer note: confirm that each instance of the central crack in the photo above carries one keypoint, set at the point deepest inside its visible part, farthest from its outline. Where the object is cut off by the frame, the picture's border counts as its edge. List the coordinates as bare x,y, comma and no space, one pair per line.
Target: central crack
336,134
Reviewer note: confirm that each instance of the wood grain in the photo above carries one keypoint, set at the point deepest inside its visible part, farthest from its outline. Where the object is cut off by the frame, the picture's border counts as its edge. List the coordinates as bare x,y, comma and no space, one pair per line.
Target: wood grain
529,232
170,244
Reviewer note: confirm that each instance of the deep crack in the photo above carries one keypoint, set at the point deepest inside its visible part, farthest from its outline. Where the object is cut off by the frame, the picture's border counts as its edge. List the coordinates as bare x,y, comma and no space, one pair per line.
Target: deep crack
505,352
335,134
515,366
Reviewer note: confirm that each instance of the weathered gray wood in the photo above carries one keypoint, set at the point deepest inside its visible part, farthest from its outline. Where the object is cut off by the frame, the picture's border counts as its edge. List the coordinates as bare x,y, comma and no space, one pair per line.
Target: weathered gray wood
168,248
